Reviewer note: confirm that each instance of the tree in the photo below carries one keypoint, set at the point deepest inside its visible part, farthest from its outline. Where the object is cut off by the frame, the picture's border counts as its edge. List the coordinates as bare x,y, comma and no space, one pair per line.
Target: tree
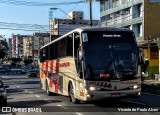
27,61
3,48
2,54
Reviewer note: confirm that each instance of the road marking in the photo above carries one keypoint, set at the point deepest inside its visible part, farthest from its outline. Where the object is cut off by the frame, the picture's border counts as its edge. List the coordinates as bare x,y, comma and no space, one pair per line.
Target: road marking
151,94
62,107
30,92
26,90
77,113
37,95
17,86
136,103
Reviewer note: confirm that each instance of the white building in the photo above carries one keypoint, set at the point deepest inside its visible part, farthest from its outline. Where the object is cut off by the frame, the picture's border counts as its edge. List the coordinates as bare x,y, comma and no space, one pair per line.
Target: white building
74,20
123,13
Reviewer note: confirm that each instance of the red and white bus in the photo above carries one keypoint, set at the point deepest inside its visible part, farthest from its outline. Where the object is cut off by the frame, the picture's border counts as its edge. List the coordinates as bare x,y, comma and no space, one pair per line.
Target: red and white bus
91,63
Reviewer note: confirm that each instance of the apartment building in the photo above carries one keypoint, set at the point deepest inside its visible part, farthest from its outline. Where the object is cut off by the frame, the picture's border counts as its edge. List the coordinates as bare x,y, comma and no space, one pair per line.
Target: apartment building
74,20
141,16
10,47
33,43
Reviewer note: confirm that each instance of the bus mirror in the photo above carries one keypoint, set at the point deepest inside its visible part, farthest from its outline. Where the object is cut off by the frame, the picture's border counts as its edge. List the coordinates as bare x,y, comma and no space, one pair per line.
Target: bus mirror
80,55
81,75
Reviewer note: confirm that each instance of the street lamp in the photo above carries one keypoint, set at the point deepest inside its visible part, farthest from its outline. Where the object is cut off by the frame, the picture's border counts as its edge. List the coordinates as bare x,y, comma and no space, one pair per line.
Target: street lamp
50,20
50,14
61,11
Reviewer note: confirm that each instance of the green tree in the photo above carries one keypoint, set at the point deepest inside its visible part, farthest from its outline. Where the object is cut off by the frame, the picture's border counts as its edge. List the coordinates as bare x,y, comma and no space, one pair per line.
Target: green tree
3,48
2,54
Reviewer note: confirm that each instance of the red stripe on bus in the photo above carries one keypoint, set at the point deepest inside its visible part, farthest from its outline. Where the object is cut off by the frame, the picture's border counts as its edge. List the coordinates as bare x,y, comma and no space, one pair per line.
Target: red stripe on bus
57,85
57,78
47,69
51,66
50,83
42,70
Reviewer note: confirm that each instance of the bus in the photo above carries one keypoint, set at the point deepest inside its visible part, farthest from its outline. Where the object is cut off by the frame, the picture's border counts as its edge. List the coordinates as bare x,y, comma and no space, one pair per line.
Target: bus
92,63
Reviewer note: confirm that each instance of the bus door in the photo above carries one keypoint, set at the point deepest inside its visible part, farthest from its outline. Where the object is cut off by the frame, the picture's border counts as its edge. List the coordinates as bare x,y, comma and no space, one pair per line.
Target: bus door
78,61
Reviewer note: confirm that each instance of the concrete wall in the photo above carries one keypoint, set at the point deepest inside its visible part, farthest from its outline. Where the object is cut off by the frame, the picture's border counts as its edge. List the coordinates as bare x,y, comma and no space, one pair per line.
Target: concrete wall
151,20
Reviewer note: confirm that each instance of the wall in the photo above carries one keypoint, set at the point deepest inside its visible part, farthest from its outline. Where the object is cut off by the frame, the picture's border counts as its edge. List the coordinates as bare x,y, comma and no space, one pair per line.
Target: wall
151,20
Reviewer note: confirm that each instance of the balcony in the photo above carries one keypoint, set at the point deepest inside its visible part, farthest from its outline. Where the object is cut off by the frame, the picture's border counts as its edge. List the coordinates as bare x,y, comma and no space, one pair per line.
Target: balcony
120,7
123,21
116,3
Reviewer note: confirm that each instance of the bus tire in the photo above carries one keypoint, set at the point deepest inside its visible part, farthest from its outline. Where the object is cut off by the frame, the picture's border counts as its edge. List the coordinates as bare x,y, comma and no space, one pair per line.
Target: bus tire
47,89
71,94
4,103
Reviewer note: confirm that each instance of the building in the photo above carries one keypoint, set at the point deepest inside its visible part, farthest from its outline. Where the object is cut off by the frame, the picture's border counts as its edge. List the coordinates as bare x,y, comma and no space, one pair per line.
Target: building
33,43
26,46
10,47
141,16
14,45
19,46
74,20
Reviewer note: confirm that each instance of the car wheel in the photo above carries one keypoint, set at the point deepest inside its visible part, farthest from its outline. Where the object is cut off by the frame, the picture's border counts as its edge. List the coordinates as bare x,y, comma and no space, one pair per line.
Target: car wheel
71,95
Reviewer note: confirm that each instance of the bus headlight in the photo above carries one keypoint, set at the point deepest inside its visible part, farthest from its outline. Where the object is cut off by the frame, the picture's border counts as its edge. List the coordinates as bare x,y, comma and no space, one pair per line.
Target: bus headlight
92,88
135,86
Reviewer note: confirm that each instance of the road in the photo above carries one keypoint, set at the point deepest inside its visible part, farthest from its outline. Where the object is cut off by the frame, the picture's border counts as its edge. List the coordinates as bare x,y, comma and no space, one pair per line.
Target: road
26,92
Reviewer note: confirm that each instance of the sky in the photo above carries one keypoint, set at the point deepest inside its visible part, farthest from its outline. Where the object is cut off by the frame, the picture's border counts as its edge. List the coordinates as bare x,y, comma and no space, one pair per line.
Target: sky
21,14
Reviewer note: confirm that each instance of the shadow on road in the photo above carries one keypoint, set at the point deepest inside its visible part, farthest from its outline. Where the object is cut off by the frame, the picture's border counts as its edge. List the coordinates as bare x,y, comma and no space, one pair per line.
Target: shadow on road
113,103
32,103
15,90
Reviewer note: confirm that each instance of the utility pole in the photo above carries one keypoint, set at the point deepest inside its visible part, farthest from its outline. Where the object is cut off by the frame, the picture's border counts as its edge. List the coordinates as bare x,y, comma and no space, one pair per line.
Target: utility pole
90,8
50,21
90,11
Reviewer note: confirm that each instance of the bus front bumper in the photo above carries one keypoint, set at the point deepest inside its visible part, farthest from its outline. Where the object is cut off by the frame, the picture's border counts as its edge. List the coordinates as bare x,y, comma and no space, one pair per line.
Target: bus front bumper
98,95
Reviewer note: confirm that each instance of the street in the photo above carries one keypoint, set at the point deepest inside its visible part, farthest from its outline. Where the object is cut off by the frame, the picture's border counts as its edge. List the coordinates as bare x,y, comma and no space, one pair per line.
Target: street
26,92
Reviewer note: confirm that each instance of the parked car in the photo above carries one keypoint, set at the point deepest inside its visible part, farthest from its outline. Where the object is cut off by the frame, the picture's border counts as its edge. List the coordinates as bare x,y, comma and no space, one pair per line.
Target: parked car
31,73
3,94
1,66
24,70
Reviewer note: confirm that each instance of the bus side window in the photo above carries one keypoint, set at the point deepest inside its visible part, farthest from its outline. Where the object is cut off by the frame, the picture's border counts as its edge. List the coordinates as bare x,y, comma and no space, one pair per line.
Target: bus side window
52,56
42,55
76,44
69,49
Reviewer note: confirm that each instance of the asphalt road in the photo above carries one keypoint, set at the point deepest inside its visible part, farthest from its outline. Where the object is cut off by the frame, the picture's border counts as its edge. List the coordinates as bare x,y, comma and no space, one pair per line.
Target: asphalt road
25,92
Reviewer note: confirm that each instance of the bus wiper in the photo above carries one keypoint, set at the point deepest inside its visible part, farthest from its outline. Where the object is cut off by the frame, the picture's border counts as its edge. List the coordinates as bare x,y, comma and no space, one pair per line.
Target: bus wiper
90,70
108,68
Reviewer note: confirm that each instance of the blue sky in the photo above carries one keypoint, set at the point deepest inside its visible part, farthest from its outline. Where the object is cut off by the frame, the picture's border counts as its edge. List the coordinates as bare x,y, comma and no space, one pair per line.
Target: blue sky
39,14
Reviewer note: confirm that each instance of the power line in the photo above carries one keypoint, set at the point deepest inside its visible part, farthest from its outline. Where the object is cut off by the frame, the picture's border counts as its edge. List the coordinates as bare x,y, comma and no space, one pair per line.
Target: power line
25,3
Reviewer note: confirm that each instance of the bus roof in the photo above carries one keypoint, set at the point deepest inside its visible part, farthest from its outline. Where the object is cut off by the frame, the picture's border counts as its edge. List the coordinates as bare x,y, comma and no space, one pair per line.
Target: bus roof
81,29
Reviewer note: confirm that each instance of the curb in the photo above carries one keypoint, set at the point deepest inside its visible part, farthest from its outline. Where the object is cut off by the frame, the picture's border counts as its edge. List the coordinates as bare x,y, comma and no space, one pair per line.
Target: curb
155,89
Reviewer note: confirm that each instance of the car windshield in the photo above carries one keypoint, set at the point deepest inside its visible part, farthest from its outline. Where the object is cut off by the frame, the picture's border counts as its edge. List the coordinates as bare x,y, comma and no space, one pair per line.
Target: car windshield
105,51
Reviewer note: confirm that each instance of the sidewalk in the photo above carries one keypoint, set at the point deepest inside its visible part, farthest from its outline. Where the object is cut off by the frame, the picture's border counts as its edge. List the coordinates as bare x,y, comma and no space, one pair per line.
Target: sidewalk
151,82
151,86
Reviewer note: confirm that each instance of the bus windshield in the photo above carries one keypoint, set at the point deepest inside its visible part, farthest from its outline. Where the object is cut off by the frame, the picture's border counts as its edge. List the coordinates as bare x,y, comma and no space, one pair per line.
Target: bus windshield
108,53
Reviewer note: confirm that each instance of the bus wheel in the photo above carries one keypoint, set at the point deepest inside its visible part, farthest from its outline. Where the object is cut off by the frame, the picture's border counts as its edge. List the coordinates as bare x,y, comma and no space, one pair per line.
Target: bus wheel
47,89
71,95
